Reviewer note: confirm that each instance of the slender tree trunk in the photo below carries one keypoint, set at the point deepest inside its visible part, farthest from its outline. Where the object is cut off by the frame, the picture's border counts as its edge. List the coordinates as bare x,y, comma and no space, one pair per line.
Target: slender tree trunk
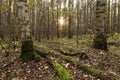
48,26
1,18
10,25
107,28
78,20
0,11
119,15
114,17
58,35
70,19
44,19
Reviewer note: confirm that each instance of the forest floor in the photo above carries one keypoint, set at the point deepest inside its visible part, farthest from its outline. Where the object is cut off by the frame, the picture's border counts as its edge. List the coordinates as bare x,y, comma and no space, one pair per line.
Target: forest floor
81,61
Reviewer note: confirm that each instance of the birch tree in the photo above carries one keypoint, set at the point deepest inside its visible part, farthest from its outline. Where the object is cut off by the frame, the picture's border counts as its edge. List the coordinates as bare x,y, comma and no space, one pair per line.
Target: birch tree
27,49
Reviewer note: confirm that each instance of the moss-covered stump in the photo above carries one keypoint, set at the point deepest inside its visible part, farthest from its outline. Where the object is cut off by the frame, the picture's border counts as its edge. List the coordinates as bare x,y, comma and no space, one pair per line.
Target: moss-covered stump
100,42
27,51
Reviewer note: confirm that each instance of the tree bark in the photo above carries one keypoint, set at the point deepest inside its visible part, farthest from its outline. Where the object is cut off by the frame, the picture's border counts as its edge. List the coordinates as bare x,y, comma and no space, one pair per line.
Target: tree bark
100,39
1,18
27,50
119,15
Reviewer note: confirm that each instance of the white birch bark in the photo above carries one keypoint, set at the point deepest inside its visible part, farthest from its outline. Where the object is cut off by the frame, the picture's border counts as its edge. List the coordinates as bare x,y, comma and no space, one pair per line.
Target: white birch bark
23,14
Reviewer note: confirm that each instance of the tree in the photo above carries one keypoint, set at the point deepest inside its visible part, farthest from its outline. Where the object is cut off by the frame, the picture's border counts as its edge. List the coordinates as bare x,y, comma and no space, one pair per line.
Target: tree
27,49
4,18
0,14
107,29
100,39
58,35
119,14
78,20
70,18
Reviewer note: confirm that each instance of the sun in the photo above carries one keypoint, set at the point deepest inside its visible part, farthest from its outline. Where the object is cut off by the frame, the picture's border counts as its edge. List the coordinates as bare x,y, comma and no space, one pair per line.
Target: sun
61,21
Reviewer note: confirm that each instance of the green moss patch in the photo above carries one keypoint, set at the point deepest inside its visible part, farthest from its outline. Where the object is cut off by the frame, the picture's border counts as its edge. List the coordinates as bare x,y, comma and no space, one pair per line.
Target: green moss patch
27,51
69,60
100,42
61,71
67,52
90,70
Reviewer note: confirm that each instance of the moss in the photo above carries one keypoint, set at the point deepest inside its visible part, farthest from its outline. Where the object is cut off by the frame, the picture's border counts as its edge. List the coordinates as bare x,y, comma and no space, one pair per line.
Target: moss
61,71
85,67
95,72
100,42
68,59
67,53
27,51
90,70
70,53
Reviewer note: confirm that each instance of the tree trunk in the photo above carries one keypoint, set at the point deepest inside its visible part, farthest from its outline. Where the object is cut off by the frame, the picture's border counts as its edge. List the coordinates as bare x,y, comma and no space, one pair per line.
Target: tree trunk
58,35
27,50
107,29
78,20
0,18
48,26
70,19
119,15
100,39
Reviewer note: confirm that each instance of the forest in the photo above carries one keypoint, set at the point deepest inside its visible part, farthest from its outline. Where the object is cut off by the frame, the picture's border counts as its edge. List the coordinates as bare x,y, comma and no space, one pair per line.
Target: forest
59,39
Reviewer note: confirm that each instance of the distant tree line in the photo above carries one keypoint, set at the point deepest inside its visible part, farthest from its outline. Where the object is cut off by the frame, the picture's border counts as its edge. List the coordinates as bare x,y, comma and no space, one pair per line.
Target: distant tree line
78,15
